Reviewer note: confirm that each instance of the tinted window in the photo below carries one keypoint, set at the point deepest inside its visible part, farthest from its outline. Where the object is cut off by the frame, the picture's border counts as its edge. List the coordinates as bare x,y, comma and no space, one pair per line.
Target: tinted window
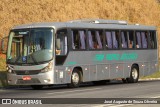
61,43
112,39
141,39
131,43
95,40
78,39
124,39
144,39
152,39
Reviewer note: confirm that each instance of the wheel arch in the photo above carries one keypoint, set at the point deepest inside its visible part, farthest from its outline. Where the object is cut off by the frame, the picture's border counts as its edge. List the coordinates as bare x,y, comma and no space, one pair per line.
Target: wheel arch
135,64
80,70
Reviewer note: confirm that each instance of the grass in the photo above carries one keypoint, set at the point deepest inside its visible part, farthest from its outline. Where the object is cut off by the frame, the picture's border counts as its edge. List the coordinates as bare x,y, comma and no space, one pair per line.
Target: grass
2,62
155,75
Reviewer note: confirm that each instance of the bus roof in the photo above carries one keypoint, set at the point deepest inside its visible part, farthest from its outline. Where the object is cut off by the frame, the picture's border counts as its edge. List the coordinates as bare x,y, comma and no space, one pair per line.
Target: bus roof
89,24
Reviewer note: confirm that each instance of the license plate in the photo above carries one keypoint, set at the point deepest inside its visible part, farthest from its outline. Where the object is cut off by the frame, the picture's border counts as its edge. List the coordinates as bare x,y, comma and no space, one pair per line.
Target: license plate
26,77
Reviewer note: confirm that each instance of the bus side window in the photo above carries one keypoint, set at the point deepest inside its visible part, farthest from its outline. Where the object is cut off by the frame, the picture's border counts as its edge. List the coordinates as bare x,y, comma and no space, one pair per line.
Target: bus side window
138,40
115,38
99,39
131,43
78,39
144,39
95,39
124,39
151,37
61,43
108,40
90,38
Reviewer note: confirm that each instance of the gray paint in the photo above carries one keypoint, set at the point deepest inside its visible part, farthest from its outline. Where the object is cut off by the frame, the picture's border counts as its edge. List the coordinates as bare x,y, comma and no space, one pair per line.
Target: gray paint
112,69
95,70
58,25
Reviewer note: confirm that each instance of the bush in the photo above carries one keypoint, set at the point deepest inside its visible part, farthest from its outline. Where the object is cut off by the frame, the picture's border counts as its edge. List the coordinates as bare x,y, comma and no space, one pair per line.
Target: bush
2,62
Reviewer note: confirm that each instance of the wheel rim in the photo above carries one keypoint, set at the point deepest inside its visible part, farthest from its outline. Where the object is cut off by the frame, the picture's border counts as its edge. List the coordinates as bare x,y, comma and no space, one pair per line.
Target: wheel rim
134,73
75,78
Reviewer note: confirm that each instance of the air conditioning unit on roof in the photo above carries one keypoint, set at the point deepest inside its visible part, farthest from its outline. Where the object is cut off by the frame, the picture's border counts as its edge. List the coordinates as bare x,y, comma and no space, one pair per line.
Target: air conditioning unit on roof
100,21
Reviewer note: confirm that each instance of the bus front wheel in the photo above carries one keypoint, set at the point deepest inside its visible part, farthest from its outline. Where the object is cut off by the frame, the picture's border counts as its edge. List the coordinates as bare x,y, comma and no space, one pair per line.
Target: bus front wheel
75,79
134,75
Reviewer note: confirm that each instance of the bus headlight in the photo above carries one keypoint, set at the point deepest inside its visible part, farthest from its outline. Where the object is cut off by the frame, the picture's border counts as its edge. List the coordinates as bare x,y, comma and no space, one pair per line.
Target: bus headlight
10,71
44,70
7,68
48,67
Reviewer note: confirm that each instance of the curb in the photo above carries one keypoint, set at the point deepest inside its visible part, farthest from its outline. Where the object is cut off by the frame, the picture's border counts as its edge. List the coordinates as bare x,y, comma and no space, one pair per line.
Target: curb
148,79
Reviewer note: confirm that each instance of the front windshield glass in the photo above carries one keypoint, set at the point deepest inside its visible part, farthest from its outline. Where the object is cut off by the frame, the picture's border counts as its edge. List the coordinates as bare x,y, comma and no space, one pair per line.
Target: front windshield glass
30,46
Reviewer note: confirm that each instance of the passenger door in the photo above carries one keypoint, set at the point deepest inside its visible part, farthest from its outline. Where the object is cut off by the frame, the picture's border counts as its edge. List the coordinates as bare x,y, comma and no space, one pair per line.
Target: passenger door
61,47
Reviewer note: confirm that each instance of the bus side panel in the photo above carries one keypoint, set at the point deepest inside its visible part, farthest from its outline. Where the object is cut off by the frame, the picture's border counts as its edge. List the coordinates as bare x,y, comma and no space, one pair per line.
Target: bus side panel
146,70
102,71
154,67
99,65
62,74
116,70
93,72
86,73
150,61
127,69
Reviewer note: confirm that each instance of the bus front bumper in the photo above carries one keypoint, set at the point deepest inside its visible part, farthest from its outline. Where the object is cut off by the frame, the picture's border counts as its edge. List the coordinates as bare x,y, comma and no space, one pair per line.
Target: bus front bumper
38,79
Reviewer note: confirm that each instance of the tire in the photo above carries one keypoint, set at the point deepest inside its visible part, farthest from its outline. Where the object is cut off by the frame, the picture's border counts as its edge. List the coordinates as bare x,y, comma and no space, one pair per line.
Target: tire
124,80
75,79
37,87
134,75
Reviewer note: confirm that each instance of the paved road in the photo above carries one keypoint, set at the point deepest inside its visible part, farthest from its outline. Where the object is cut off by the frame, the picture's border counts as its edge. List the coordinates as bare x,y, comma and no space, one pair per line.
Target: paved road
115,89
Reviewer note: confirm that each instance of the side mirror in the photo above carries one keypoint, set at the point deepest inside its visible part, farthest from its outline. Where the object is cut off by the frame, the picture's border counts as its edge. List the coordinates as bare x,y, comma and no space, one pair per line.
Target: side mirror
4,42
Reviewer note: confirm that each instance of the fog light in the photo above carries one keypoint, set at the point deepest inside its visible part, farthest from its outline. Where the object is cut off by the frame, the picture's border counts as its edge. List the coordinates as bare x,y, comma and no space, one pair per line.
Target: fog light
10,71
9,81
47,80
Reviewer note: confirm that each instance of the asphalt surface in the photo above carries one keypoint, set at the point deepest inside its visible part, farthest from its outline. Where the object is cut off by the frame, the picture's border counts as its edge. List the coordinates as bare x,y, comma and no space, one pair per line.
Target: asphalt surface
114,89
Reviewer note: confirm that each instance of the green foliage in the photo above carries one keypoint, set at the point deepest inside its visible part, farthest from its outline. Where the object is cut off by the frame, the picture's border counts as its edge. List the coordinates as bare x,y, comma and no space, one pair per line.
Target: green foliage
2,64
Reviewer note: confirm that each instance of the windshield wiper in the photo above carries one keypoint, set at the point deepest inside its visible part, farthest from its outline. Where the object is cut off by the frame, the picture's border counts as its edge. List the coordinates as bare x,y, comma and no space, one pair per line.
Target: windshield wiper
34,60
17,59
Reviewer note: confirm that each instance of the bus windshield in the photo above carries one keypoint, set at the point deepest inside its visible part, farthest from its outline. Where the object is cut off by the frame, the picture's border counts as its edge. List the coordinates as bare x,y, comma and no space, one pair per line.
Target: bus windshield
30,46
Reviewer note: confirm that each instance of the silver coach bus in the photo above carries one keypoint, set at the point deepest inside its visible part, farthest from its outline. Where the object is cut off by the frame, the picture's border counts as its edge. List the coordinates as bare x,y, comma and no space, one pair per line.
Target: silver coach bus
78,51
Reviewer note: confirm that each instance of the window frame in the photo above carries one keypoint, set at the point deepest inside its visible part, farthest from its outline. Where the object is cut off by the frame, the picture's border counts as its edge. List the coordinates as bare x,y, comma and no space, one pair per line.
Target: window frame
155,39
118,41
101,31
56,34
127,32
85,32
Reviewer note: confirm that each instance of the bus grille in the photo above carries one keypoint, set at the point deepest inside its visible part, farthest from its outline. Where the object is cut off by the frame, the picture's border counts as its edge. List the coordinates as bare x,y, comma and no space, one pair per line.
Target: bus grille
34,72
32,81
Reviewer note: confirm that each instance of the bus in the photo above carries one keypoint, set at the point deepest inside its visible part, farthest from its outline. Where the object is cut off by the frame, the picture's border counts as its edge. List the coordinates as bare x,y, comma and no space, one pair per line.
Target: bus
73,52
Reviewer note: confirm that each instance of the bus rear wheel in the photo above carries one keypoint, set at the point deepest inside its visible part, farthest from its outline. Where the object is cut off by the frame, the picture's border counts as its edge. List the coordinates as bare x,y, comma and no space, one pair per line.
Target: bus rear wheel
37,87
75,79
134,75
